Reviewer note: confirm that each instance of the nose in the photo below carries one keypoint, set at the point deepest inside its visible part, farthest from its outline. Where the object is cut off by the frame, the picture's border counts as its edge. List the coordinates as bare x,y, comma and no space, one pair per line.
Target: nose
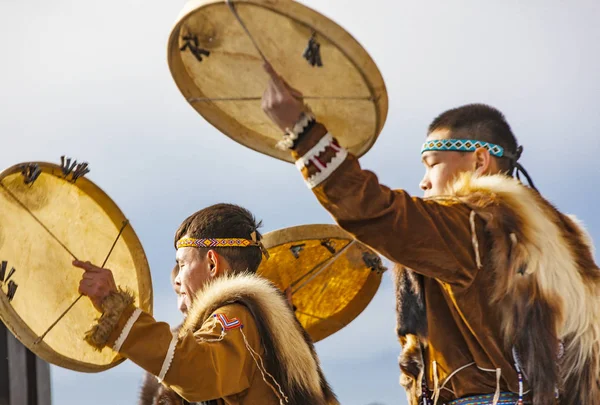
177,287
174,273
425,184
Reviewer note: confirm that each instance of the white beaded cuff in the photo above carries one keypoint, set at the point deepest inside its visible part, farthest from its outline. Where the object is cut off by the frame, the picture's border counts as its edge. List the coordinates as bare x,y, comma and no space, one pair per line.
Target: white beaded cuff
168,358
126,329
314,151
317,163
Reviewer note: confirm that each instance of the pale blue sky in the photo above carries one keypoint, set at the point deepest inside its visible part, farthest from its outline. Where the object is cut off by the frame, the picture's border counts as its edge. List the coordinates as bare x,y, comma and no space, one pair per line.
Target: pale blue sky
90,79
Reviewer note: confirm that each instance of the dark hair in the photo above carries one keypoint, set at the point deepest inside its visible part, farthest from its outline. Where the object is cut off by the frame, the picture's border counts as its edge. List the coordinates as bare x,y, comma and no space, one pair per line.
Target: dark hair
483,123
226,221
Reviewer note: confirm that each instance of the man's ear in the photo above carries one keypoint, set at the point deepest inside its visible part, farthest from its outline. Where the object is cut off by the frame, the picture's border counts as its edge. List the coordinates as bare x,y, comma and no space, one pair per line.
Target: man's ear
212,260
483,161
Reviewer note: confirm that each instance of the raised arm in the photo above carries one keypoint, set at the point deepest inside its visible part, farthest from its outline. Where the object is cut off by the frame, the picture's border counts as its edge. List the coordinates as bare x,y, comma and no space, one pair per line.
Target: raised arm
432,238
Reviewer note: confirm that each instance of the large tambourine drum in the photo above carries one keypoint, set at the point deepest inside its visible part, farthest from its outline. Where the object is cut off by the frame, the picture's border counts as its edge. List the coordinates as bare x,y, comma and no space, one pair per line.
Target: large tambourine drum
218,67
332,276
49,215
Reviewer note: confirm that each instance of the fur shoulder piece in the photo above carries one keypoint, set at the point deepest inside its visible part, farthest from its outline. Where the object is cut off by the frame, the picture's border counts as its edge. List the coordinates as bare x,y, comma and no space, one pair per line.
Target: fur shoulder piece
289,352
546,285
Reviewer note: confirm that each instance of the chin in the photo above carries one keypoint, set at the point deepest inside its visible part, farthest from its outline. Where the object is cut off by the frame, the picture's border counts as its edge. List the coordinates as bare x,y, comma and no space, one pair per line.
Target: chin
182,306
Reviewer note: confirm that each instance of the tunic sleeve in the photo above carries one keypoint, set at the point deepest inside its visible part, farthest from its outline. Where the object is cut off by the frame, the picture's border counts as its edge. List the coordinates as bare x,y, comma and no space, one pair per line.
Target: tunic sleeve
210,363
433,238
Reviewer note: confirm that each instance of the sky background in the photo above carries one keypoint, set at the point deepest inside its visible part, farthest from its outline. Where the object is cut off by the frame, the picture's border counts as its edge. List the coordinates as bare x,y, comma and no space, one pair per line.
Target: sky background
90,80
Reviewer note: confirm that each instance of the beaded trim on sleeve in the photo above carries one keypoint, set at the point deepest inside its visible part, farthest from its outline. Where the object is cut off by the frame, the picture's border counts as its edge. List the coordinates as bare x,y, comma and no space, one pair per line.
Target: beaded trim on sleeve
126,329
306,121
168,358
321,160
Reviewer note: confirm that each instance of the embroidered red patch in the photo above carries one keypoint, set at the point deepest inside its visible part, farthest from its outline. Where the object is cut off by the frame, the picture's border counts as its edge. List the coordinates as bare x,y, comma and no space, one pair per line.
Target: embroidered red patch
228,324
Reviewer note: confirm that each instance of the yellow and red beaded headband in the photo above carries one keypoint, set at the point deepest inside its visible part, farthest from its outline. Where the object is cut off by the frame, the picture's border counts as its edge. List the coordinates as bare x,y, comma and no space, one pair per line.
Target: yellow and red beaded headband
221,242
214,242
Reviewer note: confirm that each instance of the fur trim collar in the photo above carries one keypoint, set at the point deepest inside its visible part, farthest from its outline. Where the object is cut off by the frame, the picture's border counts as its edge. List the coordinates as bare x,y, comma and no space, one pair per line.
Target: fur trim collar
291,348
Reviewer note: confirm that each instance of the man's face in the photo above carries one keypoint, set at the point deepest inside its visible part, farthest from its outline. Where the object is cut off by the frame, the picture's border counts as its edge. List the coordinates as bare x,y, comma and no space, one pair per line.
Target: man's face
180,303
194,272
441,168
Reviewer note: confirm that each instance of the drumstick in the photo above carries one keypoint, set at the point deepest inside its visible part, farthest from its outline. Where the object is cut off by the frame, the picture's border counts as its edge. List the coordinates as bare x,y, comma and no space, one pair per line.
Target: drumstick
38,340
236,15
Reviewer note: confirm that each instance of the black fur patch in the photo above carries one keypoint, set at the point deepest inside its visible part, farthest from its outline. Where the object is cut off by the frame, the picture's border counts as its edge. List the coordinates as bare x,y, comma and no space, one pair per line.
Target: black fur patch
410,303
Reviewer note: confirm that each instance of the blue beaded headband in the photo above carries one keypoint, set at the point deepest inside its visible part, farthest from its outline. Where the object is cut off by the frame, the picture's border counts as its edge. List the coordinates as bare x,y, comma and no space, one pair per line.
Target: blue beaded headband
469,145
462,145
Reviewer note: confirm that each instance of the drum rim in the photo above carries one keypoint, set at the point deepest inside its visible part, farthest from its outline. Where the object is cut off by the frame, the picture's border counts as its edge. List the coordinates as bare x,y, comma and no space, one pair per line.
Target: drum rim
302,14
282,236
19,328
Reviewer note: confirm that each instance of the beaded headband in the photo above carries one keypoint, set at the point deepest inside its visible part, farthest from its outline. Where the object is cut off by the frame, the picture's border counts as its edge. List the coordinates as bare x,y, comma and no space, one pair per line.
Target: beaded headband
469,145
214,242
462,145
222,242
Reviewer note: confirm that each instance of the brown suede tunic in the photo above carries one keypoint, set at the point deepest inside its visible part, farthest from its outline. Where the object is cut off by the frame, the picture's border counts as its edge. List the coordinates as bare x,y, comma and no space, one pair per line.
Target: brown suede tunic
434,239
205,364
240,344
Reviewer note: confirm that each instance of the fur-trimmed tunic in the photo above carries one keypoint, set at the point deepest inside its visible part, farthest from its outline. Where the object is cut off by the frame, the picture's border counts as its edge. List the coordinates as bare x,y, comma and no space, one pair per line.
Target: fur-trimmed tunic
494,267
240,344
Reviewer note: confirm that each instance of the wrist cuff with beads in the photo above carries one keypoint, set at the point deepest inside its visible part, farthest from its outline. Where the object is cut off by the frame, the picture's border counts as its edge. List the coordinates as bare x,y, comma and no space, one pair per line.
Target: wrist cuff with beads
303,125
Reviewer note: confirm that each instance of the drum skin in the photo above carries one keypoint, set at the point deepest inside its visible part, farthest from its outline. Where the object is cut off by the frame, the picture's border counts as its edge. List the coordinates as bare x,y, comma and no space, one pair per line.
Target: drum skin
35,219
347,93
327,273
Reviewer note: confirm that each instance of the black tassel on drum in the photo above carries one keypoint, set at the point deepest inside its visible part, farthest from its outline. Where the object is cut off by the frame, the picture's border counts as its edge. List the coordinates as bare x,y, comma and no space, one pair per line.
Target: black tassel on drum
30,172
76,170
10,274
3,267
296,249
327,245
12,286
312,53
191,43
12,290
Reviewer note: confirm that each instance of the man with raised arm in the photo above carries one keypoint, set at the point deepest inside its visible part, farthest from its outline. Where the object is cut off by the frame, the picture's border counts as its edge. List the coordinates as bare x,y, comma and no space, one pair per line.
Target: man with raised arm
497,290
240,343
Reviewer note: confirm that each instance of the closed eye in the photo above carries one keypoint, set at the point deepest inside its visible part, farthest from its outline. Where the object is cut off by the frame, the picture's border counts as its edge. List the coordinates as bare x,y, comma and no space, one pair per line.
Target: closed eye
430,159
430,164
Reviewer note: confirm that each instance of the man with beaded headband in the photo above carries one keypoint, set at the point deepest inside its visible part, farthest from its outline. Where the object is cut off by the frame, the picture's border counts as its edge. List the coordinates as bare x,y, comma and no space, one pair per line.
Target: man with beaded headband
240,342
496,289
